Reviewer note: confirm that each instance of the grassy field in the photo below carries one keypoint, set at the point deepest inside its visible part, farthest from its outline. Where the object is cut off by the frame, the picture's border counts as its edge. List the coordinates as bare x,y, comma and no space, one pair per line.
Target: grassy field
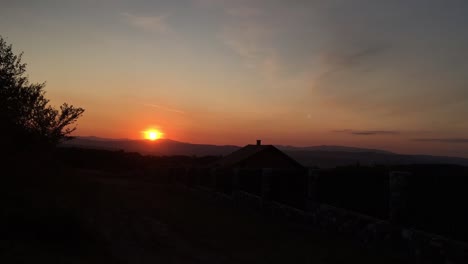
102,217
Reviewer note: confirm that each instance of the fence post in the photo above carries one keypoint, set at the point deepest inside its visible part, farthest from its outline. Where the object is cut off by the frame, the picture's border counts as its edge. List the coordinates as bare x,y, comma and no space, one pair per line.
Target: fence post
312,189
189,177
398,198
235,184
186,180
213,179
266,186
170,175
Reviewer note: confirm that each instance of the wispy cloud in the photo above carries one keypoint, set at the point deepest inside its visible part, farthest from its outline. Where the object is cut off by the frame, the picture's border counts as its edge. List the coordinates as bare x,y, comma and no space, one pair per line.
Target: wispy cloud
443,140
380,66
367,132
244,12
156,23
252,41
337,60
165,108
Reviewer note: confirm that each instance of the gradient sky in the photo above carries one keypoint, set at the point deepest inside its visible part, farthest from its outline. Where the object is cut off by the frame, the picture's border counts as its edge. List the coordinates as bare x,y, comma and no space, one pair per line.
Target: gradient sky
381,74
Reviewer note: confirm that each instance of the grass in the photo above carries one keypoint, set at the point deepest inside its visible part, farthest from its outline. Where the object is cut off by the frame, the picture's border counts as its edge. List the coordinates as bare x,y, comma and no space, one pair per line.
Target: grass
183,225
102,217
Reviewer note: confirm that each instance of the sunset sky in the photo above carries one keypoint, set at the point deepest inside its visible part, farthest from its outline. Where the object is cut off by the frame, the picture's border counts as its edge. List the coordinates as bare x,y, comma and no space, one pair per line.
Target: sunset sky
368,73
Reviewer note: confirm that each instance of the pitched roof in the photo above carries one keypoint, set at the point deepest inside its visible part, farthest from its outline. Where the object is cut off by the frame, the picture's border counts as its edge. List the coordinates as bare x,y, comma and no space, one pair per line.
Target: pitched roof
248,151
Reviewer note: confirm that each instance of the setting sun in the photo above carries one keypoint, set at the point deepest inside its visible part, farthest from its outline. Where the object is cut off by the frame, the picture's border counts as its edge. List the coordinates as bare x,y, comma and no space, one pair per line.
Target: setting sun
152,134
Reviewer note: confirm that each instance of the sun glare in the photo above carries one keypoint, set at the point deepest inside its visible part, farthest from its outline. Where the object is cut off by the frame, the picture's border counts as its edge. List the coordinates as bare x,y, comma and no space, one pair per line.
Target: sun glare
152,134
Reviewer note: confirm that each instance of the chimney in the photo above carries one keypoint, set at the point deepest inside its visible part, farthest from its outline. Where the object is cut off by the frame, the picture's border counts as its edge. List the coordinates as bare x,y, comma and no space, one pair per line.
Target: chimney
259,142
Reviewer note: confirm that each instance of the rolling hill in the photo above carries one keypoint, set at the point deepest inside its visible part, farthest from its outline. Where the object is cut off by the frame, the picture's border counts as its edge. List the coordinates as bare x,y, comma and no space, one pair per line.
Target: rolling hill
320,156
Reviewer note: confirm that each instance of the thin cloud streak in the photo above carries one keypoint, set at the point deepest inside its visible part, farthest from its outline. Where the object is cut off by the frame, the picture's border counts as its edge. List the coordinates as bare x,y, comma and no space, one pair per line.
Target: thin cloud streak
367,132
443,140
244,12
151,23
165,108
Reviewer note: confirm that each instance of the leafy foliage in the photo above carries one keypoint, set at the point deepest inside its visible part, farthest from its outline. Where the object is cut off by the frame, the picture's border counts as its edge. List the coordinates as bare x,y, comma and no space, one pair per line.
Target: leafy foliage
26,116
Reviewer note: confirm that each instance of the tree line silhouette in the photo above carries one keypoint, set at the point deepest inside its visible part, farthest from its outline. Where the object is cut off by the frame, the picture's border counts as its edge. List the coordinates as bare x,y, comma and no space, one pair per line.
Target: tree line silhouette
27,118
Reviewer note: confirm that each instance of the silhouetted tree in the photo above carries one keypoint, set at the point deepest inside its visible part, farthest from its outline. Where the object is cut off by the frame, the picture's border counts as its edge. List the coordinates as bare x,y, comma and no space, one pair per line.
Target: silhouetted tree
26,117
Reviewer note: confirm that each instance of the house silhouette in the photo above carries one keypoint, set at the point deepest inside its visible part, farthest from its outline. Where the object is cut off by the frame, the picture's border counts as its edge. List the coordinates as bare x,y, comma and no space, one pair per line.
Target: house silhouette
258,156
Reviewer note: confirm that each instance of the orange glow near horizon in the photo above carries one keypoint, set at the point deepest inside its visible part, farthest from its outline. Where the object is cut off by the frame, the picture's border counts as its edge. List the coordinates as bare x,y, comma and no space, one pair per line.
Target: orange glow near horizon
152,134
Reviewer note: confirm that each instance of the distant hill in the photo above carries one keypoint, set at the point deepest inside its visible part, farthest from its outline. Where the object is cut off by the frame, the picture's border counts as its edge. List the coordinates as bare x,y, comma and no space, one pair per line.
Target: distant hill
161,147
332,148
320,156
329,159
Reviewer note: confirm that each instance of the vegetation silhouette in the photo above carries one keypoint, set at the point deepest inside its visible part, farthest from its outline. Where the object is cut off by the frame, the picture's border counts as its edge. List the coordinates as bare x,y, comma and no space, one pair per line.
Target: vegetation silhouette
26,116
37,217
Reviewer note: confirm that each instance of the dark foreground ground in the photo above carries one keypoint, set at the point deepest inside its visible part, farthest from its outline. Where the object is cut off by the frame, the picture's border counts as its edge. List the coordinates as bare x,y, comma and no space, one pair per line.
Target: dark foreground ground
84,216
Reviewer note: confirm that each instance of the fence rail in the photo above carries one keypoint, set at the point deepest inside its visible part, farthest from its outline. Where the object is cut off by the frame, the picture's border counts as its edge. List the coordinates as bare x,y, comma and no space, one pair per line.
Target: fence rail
376,209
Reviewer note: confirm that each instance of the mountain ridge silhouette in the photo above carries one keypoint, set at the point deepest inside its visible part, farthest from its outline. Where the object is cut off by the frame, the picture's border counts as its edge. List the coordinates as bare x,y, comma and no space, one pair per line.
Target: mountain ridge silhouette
321,156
